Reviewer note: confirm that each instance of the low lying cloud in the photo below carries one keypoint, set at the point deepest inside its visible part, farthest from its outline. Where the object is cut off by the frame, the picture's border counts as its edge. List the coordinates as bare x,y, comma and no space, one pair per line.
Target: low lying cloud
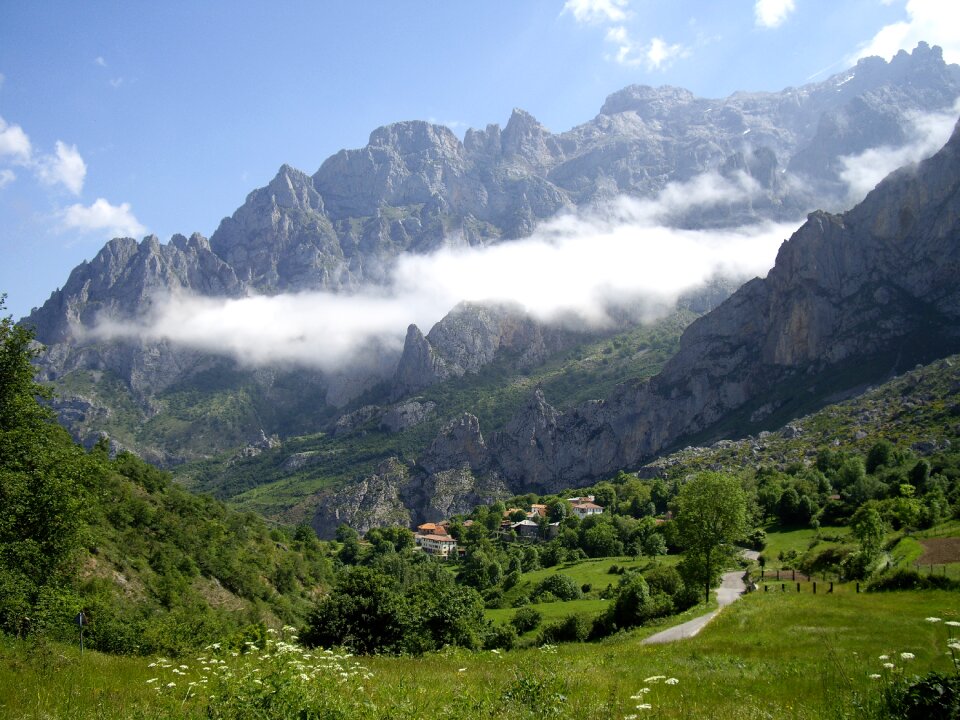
101,216
926,133
657,54
575,266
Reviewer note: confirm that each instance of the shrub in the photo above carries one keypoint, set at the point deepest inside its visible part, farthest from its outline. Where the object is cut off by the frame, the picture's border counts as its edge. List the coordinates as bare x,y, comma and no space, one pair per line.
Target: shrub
573,628
526,619
560,586
933,697
500,637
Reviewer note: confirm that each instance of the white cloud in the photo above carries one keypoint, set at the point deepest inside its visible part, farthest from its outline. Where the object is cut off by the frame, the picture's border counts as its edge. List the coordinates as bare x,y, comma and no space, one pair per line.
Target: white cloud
100,61
116,220
926,133
595,11
6,177
654,55
66,167
575,266
772,13
934,21
14,143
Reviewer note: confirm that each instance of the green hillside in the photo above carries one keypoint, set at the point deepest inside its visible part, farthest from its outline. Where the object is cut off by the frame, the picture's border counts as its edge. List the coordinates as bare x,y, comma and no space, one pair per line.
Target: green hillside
267,485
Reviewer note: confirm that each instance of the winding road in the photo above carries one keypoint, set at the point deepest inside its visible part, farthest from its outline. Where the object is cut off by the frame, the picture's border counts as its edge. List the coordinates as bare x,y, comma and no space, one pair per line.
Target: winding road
731,588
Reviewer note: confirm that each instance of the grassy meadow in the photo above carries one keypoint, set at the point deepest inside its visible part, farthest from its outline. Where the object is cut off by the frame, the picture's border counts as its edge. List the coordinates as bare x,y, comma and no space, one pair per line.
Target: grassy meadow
782,655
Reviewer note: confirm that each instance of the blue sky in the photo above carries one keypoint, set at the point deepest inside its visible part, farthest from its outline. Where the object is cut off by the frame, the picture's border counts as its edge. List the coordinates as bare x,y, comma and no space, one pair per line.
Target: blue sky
135,117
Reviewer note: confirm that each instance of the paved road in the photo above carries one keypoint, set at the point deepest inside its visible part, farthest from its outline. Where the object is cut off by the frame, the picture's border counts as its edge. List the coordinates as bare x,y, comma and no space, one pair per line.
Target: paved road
730,589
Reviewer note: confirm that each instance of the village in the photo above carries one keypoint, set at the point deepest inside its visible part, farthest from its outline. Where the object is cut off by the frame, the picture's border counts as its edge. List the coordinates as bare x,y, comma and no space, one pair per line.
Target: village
517,525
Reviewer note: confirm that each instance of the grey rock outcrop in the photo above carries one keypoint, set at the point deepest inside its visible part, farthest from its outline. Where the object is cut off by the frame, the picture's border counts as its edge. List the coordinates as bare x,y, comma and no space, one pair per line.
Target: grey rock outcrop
416,187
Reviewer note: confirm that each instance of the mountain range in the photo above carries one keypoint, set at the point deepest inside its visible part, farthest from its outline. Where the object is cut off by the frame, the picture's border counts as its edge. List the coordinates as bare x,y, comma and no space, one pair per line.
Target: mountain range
852,297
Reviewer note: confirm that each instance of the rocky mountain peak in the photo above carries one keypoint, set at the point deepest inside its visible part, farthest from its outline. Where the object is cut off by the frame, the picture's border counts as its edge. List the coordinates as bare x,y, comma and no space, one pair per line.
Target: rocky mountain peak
524,139
646,101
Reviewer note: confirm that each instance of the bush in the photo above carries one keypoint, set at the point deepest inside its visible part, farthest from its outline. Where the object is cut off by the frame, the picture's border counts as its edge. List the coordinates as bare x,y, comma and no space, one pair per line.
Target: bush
573,628
904,579
526,619
933,697
500,637
560,586
664,579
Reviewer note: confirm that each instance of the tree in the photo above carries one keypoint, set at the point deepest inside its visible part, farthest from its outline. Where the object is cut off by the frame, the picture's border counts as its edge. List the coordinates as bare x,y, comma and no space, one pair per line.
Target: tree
711,515
868,527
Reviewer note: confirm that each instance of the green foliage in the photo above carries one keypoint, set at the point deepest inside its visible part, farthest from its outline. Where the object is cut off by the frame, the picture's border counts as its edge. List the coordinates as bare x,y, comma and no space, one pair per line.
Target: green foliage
559,586
526,619
711,516
371,612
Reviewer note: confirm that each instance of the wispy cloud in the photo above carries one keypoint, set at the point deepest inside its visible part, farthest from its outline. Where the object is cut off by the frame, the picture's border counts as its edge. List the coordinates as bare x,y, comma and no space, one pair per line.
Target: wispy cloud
933,21
14,144
772,13
596,11
7,176
102,217
575,266
926,133
65,167
100,61
656,54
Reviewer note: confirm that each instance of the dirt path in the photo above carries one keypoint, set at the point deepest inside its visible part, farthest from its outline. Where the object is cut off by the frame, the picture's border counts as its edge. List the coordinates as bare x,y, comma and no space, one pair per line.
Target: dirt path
731,588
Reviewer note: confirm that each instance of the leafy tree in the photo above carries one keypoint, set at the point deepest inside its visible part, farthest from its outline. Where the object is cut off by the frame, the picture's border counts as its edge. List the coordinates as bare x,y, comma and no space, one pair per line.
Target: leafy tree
868,527
365,611
711,516
526,619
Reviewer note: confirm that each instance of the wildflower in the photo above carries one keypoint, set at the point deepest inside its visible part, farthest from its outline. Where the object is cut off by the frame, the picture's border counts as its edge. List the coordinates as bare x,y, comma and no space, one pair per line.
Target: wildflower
654,678
889,665
462,670
883,657
152,680
671,681
954,645
184,667
629,717
644,706
153,664
933,619
874,676
952,623
171,684
907,655
495,652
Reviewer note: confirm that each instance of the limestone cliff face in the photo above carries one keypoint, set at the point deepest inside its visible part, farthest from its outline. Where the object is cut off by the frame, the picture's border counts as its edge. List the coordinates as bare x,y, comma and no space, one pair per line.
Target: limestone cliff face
879,279
416,187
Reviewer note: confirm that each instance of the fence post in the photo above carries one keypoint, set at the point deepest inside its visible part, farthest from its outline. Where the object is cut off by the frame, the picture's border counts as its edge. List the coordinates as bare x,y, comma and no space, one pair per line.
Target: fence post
798,587
778,573
793,575
783,587
858,587
764,588
814,587
831,586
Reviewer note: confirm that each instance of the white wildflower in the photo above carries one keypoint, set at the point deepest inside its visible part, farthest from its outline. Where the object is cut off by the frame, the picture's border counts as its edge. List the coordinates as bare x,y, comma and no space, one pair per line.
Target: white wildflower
907,655
171,684
152,680
655,678
952,623
933,619
462,670
883,657
889,665
644,706
671,681
874,676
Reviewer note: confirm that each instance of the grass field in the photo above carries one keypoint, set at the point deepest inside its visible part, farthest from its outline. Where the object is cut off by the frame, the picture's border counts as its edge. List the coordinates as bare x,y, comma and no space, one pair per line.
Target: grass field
768,655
